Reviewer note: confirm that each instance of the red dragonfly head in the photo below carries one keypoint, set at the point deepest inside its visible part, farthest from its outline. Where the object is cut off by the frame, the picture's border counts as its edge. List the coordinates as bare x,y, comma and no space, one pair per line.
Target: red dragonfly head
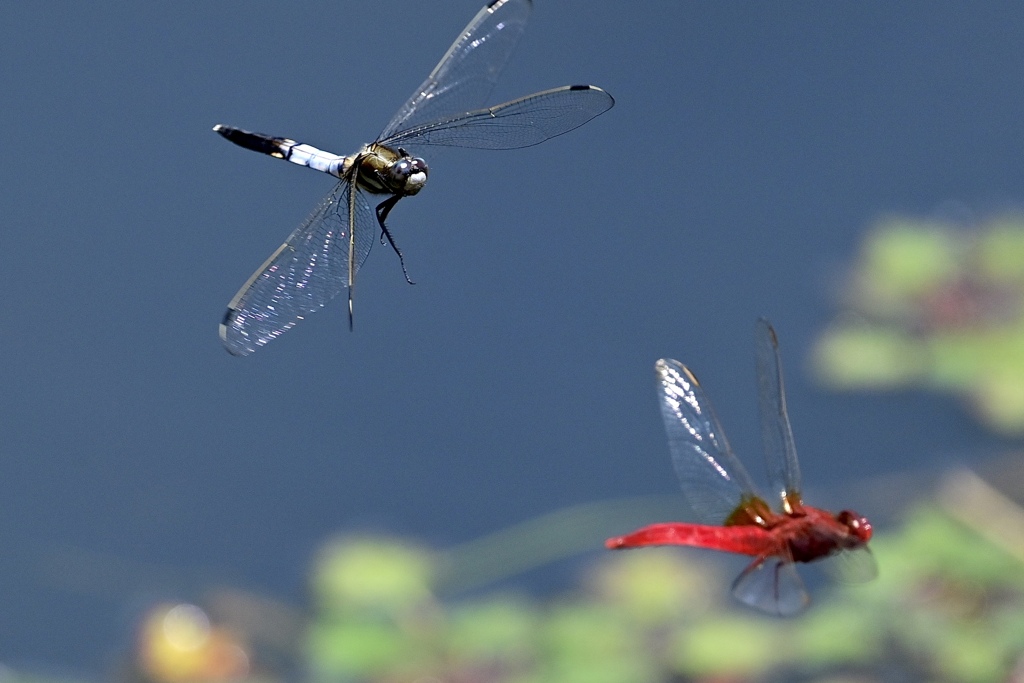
858,525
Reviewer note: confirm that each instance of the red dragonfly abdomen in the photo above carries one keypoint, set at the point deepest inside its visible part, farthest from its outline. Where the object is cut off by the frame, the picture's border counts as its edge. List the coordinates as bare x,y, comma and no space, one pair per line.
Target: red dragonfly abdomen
747,539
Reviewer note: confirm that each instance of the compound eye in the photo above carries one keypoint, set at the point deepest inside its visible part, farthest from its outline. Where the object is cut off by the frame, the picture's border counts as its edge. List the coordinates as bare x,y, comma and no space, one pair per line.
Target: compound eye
859,526
409,174
400,170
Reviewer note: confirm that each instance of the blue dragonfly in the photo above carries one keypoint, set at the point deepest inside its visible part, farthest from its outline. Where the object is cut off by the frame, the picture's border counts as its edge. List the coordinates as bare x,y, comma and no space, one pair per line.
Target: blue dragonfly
321,257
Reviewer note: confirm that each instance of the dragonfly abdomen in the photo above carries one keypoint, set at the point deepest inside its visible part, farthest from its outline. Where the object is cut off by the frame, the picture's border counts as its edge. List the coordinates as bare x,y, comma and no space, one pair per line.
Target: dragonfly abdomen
741,539
289,150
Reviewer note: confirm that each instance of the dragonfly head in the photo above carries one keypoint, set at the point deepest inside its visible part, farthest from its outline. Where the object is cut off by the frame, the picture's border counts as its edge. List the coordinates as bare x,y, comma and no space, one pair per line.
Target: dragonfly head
857,525
407,175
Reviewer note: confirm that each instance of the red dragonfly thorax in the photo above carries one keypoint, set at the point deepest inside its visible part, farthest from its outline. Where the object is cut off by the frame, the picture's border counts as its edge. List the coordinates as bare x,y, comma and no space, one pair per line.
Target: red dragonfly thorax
753,510
816,534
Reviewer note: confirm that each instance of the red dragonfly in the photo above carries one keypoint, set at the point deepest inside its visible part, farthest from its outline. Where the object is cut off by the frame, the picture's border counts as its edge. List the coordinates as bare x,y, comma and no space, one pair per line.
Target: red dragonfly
721,492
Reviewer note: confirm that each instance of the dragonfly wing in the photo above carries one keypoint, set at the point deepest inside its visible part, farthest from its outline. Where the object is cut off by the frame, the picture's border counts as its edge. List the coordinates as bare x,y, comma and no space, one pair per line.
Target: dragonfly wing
776,432
523,122
466,74
712,478
307,271
771,584
853,565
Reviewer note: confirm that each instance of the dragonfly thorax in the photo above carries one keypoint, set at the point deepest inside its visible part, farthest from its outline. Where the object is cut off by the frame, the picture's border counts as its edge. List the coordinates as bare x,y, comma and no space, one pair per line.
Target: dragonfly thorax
383,170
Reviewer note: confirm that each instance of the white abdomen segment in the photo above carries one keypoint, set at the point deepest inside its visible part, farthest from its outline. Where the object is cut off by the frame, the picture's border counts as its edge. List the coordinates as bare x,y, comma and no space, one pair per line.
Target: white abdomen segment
289,150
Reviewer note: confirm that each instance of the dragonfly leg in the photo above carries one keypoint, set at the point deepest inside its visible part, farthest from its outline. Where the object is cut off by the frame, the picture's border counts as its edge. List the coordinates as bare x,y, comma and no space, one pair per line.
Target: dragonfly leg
383,209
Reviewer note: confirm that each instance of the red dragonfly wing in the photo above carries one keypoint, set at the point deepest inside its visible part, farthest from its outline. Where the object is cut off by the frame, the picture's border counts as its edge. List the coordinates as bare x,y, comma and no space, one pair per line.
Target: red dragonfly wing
852,565
776,433
771,584
712,478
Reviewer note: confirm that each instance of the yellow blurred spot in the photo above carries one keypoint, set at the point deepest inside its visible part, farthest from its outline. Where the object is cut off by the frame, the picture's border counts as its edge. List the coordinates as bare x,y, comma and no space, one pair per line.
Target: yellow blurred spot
177,644
186,627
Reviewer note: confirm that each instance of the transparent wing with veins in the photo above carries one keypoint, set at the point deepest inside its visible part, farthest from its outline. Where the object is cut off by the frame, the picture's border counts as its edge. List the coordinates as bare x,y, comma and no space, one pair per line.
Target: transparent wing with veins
712,478
523,122
853,565
776,433
772,584
307,271
467,72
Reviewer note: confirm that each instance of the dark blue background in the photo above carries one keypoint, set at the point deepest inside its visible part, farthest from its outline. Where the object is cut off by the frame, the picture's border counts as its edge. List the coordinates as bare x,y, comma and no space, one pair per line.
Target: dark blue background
750,146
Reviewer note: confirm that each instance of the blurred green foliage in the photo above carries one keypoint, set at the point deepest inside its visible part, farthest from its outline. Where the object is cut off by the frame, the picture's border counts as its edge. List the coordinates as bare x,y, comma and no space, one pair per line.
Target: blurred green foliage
948,605
932,305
